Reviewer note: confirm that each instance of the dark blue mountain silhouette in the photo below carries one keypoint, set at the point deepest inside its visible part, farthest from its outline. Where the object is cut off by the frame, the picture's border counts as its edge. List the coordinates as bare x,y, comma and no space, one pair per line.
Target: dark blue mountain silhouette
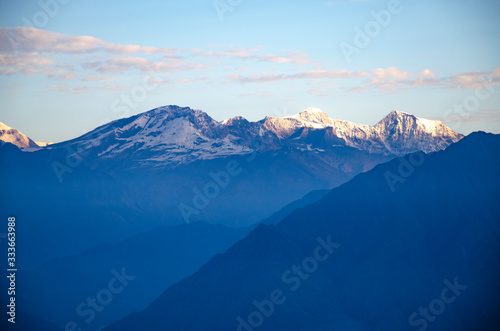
156,259
416,245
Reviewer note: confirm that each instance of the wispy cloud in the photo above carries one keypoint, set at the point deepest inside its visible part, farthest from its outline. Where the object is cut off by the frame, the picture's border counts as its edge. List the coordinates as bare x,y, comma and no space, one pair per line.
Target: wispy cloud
89,60
59,56
474,80
384,79
78,90
485,115
251,54
26,39
311,74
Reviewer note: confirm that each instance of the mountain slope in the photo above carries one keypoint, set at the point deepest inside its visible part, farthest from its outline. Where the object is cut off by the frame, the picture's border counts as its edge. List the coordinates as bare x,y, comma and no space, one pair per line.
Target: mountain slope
403,132
307,199
397,252
92,201
86,208
163,135
10,135
157,259
153,169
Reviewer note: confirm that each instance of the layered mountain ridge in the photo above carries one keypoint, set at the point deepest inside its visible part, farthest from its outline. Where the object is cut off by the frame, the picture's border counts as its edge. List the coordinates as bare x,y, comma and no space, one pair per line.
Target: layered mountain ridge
150,165
388,257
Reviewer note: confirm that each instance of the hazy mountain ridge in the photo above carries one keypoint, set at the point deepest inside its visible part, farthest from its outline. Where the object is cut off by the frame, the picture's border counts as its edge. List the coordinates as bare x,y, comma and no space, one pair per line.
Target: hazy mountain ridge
397,252
166,249
136,172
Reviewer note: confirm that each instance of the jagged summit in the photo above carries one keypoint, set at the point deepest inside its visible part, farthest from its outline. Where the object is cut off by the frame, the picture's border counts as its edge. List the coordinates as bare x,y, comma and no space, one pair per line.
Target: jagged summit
311,111
413,131
399,116
398,113
164,135
176,135
237,120
395,116
172,112
314,117
17,138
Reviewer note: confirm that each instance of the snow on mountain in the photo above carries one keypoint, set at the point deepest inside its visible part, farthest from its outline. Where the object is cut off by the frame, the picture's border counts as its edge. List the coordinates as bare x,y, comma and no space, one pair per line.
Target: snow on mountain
42,144
398,133
314,117
166,135
175,135
282,127
250,134
402,132
10,135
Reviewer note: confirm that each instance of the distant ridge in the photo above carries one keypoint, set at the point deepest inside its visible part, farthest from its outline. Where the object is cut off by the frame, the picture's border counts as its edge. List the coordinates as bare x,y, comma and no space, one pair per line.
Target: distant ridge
390,253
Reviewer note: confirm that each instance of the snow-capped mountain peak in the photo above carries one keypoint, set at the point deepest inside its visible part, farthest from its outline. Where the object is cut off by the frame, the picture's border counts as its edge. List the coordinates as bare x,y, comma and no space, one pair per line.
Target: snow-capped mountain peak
314,117
286,126
237,120
397,133
398,121
311,111
174,135
402,131
15,137
164,135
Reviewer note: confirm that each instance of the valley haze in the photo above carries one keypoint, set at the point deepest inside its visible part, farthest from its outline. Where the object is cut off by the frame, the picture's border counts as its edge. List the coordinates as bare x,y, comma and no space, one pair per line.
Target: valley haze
230,165
172,170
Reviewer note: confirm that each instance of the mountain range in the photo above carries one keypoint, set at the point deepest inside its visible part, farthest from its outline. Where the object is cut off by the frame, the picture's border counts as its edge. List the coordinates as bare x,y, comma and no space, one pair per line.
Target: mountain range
172,135
364,257
164,192
176,135
168,166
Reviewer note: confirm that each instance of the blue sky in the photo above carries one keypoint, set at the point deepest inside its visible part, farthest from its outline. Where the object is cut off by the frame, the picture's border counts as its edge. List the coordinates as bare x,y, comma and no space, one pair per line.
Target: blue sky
68,66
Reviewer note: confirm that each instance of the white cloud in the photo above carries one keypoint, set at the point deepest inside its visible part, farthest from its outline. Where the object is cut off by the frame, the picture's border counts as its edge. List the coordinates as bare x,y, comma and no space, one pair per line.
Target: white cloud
426,73
59,56
390,78
13,39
